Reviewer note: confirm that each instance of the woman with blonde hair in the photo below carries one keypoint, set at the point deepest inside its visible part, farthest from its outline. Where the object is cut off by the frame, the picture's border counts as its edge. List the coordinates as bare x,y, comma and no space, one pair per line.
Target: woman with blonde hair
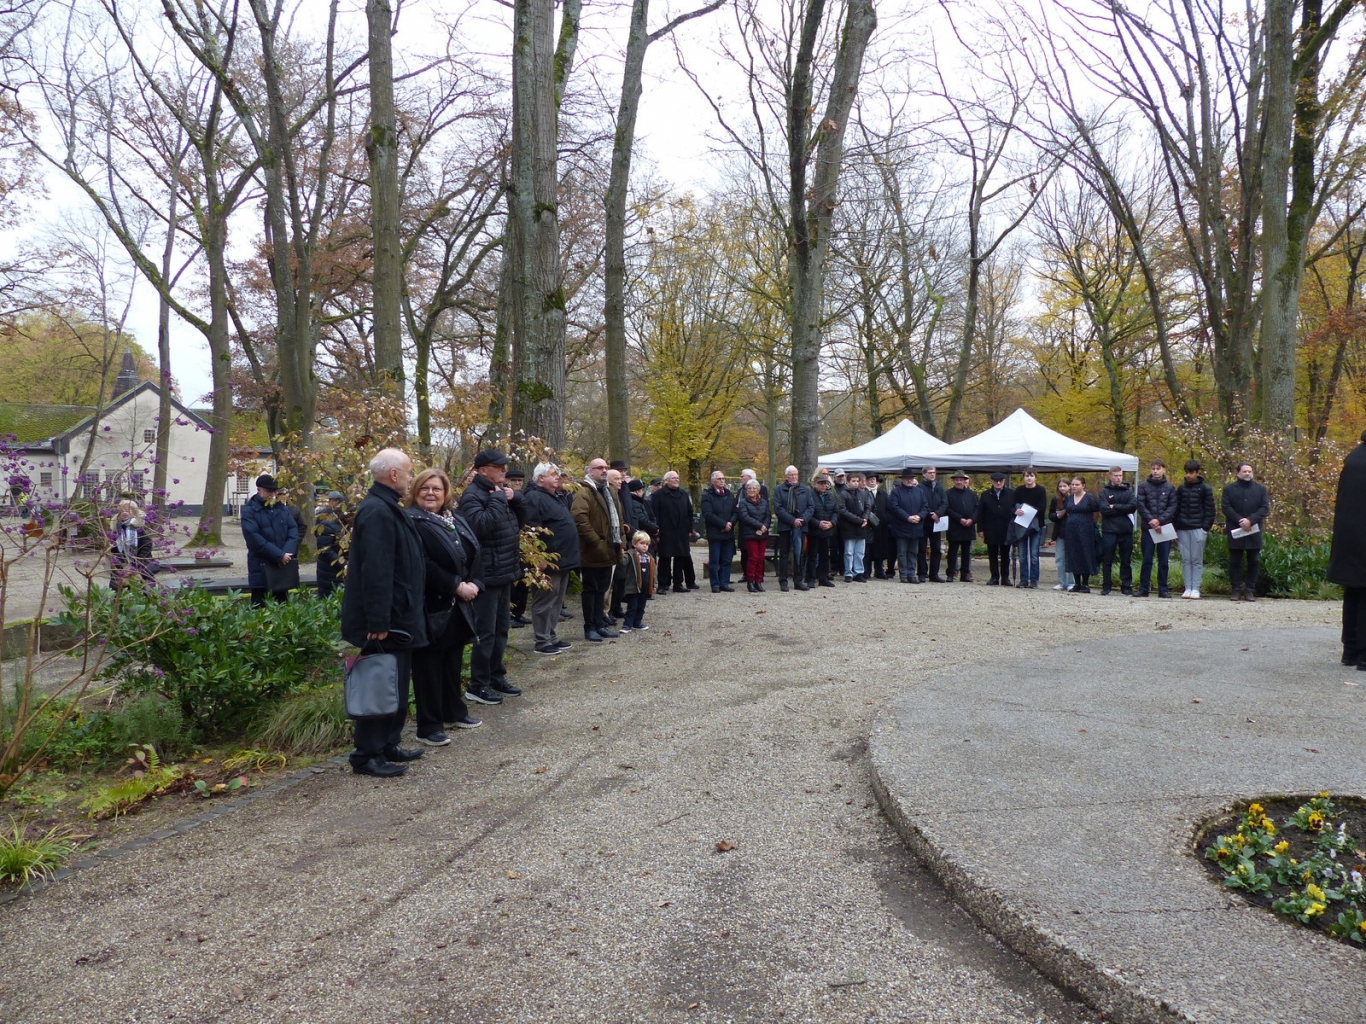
451,554
131,552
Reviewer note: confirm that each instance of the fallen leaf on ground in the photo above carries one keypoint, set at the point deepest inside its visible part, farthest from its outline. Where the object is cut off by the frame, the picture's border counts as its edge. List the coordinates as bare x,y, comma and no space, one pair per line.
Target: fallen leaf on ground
514,874
1197,700
724,846
540,771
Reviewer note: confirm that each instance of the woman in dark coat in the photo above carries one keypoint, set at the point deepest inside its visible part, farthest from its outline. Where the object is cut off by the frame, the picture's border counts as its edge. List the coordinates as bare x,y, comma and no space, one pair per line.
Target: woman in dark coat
451,554
1079,536
672,508
1347,563
755,520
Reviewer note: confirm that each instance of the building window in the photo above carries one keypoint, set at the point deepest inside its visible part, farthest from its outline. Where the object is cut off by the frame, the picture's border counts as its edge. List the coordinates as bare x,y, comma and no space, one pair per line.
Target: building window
149,436
45,479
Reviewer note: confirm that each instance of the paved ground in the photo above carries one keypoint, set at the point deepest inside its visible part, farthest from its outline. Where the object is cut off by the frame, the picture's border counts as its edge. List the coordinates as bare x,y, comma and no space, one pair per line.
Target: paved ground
1058,795
560,864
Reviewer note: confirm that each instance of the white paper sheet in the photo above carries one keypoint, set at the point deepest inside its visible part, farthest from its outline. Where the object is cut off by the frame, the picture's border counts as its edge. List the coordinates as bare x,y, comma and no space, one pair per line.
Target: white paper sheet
1163,534
1235,532
942,526
1026,516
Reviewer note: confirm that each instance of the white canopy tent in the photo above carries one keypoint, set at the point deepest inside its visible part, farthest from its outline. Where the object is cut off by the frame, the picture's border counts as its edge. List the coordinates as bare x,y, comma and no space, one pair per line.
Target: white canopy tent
904,445
1020,440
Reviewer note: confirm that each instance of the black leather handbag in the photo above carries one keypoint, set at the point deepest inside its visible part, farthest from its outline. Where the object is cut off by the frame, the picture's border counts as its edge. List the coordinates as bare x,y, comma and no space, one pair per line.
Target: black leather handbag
280,578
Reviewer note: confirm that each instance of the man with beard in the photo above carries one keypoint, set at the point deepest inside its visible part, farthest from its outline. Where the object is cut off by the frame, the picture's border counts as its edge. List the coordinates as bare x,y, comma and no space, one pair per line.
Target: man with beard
673,515
907,518
1347,562
1246,505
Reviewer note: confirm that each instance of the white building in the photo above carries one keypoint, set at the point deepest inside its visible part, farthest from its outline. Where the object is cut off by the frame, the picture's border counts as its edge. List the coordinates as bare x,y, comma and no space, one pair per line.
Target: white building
52,441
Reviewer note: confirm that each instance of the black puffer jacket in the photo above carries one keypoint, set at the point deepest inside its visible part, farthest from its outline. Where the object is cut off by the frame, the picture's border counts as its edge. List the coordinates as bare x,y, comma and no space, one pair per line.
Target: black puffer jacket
1156,500
857,504
546,510
753,516
496,522
1195,506
1117,503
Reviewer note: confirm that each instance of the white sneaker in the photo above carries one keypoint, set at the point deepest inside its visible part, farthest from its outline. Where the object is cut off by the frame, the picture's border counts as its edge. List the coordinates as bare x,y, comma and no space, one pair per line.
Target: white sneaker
1186,594
1195,595
1059,587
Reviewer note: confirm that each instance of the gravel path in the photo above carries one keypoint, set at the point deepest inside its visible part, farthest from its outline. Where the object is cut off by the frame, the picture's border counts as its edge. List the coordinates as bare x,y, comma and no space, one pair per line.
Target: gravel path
560,863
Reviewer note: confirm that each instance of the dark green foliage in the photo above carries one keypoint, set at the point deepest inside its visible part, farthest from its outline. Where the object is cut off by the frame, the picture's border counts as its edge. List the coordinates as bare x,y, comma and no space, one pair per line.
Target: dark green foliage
103,735
1297,566
220,661
312,721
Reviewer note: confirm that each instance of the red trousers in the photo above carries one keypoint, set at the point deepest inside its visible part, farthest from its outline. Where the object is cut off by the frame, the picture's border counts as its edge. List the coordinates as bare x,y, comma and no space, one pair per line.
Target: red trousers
754,551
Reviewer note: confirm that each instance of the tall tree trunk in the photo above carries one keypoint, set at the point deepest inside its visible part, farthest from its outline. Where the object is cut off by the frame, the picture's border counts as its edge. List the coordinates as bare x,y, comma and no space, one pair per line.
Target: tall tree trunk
623,143
210,532
533,217
164,408
504,332
382,148
810,220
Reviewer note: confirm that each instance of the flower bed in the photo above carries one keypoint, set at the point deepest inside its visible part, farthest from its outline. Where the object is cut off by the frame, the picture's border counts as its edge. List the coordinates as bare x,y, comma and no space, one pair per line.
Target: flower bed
1301,859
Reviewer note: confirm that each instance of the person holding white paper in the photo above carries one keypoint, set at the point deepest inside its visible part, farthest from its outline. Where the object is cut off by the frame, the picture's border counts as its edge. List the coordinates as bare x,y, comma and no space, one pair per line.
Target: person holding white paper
1030,497
1156,510
1246,505
1193,522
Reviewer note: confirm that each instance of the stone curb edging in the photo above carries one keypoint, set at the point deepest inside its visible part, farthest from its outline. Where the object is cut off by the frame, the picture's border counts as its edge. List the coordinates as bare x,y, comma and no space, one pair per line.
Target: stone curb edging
1049,954
93,858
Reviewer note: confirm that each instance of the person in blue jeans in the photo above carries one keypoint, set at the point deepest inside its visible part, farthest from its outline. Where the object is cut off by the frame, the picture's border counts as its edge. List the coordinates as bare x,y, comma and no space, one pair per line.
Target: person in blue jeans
1033,495
719,514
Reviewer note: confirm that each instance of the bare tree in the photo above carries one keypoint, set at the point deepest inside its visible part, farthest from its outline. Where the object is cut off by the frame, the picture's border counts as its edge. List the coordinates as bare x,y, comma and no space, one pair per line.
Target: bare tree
381,145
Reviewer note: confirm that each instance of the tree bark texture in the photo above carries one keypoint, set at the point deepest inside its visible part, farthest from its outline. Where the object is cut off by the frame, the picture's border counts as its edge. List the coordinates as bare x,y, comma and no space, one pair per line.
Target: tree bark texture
810,215
382,149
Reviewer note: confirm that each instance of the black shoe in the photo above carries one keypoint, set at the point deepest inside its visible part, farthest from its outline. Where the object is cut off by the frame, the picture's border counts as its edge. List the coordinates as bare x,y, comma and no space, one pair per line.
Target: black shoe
378,767
881,576
693,586
936,579
468,722
728,590
915,579
398,755
749,586
563,645
758,588
607,634
1349,657
683,590
1162,593
566,615
518,621
968,579
860,578
1033,584
483,697
547,648
615,617
995,581
800,586
436,739
593,636
1126,591
716,590
782,585
1105,591
825,583
1142,592
506,689
1022,585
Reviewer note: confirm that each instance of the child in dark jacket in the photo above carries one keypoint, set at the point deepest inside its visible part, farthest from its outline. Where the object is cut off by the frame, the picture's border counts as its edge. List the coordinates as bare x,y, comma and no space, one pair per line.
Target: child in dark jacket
638,570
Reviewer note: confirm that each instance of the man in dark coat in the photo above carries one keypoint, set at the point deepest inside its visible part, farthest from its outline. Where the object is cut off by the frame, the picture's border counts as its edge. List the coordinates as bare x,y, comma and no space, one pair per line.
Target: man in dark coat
792,506
881,554
672,508
1118,506
544,509
602,530
719,513
1246,505
494,511
855,529
962,514
383,604
330,528
1156,509
907,520
271,533
930,550
1347,562
826,507
995,512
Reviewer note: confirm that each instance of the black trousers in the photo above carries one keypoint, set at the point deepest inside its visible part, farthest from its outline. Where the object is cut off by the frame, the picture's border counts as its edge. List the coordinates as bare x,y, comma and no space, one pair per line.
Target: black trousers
818,547
519,599
928,556
678,570
618,596
596,583
1124,544
960,549
373,736
436,678
790,554
1354,623
1237,579
998,559
492,616
328,567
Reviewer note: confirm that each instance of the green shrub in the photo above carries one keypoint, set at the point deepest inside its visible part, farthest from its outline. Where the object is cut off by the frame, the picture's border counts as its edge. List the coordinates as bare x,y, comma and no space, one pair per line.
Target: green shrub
103,736
1295,566
220,661
25,858
311,722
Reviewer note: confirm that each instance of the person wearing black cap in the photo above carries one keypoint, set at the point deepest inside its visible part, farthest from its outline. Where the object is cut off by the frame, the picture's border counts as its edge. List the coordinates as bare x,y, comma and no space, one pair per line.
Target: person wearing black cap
271,534
495,512
962,512
995,512
329,530
1347,560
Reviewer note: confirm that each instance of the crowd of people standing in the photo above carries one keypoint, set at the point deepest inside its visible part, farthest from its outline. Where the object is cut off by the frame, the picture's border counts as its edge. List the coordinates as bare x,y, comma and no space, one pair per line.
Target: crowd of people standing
430,573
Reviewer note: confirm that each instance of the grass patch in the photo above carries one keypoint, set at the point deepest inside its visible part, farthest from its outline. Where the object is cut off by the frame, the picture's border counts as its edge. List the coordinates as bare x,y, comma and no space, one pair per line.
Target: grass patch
25,858
310,722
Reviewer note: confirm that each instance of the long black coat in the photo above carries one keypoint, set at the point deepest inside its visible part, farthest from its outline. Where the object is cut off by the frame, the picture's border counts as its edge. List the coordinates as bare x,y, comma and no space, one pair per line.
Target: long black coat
1347,563
882,545
673,514
1248,500
451,552
546,510
995,512
386,573
1079,534
962,505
